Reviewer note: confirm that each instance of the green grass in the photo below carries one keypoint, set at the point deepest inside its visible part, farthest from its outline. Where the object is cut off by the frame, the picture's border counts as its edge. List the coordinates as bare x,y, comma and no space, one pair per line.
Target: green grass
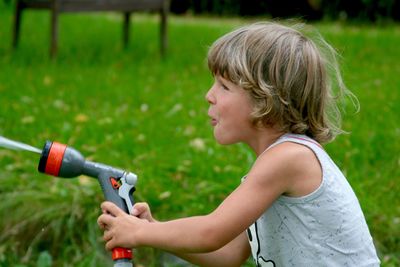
132,109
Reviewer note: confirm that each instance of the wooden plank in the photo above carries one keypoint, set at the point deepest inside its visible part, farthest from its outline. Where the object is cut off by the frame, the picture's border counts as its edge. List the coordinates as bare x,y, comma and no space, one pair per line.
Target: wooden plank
110,5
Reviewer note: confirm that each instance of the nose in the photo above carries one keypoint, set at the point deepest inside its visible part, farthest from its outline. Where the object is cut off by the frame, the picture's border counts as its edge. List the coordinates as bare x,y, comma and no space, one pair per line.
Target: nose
209,96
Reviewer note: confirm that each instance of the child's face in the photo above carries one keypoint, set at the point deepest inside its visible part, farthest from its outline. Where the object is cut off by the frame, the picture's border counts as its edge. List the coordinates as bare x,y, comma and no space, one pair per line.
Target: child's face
230,112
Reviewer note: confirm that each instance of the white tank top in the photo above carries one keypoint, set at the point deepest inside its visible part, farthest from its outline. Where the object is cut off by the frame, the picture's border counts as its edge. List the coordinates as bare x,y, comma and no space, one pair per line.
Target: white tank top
325,228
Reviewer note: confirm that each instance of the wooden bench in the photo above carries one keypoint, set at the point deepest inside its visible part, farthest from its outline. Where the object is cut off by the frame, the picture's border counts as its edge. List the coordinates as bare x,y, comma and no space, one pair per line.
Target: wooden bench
126,7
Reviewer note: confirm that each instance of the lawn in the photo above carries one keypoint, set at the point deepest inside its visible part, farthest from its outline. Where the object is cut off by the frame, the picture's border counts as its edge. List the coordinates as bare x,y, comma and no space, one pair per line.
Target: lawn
132,109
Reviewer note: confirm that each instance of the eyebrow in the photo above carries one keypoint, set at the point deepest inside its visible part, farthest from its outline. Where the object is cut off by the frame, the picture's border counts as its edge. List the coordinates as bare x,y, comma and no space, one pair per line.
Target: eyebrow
222,82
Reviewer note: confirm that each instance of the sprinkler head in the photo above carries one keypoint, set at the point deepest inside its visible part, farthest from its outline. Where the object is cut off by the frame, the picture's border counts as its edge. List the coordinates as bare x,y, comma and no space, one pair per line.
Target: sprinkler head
51,158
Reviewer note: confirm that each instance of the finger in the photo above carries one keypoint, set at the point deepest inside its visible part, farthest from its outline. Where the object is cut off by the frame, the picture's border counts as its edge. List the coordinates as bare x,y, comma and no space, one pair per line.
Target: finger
107,236
105,220
139,208
103,211
135,212
101,225
110,244
111,208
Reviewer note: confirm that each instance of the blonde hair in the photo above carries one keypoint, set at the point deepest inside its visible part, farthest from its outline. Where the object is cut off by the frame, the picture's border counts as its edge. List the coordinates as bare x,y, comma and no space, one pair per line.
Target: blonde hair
289,78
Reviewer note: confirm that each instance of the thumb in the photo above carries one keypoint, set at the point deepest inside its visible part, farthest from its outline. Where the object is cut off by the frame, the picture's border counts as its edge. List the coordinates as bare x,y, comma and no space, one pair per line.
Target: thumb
140,208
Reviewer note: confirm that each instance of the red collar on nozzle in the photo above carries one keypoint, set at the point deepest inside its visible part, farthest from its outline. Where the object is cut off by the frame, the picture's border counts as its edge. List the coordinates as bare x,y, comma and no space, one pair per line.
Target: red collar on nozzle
121,253
51,158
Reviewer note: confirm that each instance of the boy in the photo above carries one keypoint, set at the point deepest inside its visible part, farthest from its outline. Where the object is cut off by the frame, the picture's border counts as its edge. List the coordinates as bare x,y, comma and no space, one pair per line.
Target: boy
272,91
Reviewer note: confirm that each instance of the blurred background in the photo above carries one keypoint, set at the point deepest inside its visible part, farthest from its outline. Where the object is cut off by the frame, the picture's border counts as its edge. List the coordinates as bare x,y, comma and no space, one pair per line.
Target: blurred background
361,10
138,104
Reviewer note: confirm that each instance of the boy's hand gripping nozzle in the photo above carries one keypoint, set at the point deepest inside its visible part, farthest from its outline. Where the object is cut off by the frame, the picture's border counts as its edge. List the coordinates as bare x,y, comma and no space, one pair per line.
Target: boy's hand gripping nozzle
117,185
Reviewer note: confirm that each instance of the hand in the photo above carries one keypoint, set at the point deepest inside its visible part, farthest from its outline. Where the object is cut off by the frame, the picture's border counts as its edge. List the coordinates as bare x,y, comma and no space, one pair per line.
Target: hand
142,211
120,228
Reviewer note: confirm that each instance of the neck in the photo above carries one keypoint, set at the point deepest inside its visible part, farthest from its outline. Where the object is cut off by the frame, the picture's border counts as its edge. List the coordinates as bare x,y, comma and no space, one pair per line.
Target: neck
264,137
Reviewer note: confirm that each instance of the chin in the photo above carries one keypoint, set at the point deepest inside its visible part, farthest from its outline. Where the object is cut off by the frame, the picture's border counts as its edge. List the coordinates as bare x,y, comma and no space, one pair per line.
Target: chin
224,141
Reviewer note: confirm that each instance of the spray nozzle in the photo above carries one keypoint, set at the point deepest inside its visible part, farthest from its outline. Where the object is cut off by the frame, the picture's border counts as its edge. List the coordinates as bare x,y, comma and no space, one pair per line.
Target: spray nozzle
60,160
117,185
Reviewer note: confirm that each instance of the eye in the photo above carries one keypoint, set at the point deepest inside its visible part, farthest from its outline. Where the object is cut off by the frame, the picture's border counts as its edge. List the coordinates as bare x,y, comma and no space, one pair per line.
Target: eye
224,87
222,84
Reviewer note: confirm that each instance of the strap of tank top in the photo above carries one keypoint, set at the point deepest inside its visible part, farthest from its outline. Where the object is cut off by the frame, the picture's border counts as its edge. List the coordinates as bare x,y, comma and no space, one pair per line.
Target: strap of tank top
290,136
302,138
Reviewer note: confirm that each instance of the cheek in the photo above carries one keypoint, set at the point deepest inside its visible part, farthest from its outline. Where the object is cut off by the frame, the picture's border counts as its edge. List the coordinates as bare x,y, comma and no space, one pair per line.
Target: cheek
241,113
233,128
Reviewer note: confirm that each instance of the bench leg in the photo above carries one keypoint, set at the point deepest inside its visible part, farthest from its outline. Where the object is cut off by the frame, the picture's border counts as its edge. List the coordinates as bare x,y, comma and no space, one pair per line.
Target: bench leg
54,30
163,29
125,30
17,23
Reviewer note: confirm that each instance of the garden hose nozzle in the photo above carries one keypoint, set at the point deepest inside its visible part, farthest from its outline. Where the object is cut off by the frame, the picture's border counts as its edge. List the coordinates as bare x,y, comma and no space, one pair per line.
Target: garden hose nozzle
118,186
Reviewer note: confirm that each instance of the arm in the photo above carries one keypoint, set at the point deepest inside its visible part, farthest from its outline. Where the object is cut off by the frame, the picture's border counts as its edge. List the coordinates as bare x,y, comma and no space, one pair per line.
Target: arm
200,234
235,253
272,174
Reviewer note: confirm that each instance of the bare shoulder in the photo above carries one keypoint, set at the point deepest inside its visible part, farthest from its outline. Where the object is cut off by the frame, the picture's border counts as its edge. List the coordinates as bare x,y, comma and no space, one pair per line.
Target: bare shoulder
296,165
286,169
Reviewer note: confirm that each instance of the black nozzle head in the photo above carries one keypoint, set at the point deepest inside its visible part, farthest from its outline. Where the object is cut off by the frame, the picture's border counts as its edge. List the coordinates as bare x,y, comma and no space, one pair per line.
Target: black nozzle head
44,156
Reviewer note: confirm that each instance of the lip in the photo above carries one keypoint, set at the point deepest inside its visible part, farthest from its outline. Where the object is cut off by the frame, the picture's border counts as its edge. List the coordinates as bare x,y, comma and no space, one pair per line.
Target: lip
213,121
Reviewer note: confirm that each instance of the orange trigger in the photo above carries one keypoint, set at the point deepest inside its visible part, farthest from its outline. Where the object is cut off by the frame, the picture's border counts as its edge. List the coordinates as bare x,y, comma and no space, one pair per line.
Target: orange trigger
114,183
